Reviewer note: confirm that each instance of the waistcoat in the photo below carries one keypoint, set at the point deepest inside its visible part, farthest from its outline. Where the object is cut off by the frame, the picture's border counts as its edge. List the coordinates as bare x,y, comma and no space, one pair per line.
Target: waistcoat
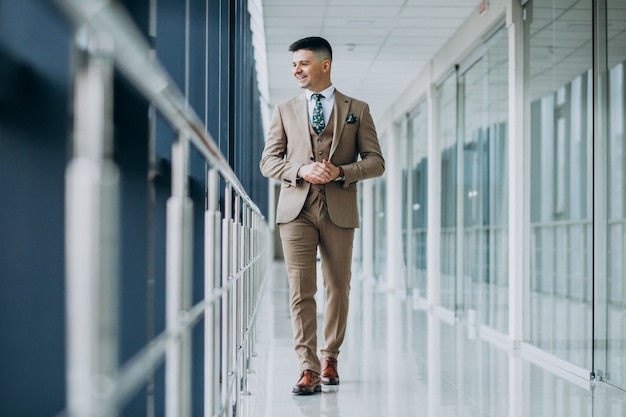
321,150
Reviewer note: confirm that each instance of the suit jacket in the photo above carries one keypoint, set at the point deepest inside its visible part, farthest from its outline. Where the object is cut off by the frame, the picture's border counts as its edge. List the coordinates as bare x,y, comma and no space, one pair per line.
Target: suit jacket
288,147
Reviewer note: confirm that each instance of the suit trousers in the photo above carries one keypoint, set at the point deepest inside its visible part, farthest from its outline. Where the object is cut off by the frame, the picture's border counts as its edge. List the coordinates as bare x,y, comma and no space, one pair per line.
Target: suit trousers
301,238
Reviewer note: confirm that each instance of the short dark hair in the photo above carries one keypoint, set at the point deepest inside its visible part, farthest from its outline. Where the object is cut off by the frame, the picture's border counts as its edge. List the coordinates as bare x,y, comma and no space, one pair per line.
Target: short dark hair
313,43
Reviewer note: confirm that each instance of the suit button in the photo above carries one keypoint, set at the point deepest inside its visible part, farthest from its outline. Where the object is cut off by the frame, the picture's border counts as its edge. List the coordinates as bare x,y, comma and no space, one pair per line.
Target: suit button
319,153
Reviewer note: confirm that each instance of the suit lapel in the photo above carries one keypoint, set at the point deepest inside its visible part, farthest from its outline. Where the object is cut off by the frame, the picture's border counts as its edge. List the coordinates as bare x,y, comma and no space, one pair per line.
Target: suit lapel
342,105
300,109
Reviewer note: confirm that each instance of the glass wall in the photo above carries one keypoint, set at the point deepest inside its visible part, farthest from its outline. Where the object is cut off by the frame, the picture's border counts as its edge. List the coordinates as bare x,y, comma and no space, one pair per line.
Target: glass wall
484,199
447,111
574,273
560,93
415,195
616,271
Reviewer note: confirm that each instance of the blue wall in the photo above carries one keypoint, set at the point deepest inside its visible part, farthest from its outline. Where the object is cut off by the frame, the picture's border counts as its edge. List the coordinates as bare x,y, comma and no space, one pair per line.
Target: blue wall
34,129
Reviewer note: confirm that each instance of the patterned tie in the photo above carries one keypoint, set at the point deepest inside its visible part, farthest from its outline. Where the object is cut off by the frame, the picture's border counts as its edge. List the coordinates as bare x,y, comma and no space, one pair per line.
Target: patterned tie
318,114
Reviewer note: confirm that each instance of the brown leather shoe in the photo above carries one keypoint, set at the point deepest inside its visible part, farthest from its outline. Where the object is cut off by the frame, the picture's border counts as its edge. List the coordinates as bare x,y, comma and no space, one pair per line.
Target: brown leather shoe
329,371
309,383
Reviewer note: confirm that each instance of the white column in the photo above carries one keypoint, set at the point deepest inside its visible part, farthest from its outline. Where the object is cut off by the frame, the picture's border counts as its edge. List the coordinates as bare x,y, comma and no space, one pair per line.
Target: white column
517,406
433,237
367,302
518,174
393,162
600,230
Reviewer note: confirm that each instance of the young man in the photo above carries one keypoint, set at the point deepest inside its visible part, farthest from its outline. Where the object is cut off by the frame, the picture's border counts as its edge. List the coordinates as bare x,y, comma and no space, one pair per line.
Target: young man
313,148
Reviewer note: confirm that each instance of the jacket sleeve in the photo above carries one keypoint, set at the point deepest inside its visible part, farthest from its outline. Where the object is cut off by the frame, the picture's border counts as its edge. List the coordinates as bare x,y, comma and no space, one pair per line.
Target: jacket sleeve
371,163
274,162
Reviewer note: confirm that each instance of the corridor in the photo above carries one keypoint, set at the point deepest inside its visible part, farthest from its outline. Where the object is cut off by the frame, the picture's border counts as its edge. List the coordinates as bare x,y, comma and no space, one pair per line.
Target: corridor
140,271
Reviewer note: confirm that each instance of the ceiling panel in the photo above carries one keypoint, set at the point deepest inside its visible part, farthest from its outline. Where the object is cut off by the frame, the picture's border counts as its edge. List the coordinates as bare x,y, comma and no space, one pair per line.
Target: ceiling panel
379,46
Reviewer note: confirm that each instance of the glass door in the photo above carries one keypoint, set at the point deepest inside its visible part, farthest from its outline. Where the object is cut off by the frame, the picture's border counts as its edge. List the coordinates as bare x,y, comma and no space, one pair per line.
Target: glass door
447,131
415,210
614,108
483,94
560,81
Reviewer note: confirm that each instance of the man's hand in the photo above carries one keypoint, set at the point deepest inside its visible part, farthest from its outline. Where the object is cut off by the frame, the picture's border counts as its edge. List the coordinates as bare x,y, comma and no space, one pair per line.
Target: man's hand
319,172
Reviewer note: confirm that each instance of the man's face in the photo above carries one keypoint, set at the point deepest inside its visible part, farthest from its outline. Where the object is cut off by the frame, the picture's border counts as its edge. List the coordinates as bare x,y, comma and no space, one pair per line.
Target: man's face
309,71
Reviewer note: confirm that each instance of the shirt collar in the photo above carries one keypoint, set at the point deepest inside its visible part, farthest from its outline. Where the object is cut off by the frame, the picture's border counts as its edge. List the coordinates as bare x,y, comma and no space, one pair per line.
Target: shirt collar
327,93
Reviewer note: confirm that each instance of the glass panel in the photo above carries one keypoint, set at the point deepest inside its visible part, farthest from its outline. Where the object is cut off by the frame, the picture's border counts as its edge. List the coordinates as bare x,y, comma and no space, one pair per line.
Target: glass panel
379,193
416,203
403,149
616,286
485,184
560,88
447,137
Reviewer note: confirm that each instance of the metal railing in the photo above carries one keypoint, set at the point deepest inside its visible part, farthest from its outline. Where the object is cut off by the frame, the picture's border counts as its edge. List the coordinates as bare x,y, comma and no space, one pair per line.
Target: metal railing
235,247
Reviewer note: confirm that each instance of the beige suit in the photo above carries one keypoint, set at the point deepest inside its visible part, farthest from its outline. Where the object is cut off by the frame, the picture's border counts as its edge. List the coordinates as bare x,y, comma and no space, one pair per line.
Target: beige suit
324,216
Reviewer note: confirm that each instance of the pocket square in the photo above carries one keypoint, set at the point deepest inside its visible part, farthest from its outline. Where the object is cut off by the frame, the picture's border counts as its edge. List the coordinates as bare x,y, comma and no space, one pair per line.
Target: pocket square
351,119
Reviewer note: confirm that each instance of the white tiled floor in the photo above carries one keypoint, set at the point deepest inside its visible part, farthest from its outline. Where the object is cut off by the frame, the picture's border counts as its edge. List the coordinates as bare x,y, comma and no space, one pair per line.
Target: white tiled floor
400,362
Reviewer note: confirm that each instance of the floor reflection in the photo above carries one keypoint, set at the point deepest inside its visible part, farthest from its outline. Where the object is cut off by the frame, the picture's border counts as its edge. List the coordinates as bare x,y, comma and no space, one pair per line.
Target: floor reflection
308,405
400,361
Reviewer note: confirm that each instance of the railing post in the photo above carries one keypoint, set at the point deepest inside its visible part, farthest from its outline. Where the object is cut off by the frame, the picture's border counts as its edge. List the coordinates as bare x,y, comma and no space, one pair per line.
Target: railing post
237,312
236,302
212,238
248,274
226,300
178,285
92,183
256,269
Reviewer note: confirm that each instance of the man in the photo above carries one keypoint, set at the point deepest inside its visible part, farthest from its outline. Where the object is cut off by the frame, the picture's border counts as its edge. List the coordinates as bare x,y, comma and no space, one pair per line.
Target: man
313,148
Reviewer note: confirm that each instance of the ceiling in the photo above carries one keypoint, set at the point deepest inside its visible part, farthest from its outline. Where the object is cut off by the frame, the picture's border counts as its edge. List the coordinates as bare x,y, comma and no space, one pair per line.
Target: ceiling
379,46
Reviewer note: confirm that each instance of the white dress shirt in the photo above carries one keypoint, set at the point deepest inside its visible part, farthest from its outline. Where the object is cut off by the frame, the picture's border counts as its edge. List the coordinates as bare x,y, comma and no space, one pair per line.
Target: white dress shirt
327,102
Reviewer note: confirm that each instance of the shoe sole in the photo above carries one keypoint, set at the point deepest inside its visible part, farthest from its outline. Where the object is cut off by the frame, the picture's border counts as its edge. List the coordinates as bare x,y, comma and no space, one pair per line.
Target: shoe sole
303,392
331,382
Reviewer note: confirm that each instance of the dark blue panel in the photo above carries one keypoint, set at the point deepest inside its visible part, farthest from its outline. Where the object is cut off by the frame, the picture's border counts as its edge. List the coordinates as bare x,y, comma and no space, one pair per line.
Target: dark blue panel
197,57
170,47
225,71
170,39
139,12
131,156
196,192
160,187
131,150
214,70
197,74
34,76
